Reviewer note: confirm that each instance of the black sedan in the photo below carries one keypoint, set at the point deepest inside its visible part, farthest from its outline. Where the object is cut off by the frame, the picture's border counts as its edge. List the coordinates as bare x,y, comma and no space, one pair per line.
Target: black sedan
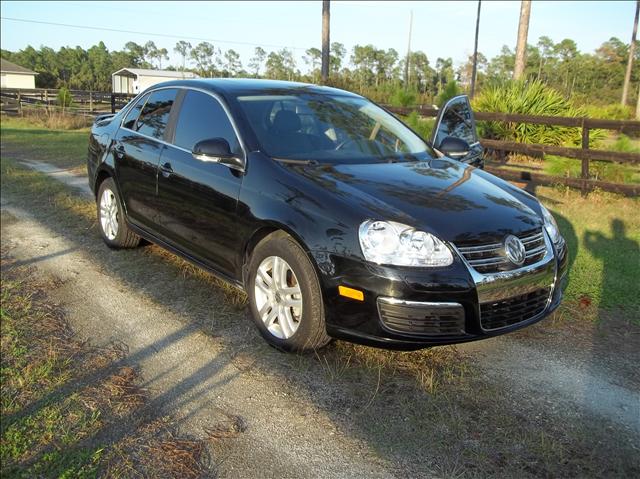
337,219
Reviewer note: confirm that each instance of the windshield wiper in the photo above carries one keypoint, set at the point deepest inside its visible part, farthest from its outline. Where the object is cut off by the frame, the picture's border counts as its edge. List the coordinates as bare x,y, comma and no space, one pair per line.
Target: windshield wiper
291,161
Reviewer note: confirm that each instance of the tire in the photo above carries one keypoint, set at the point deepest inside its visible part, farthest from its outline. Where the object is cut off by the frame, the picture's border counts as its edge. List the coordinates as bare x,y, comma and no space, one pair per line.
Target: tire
296,329
113,228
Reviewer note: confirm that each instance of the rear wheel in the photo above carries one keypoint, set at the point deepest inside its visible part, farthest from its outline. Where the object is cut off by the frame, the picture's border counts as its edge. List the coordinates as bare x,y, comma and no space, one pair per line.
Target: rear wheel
284,295
113,227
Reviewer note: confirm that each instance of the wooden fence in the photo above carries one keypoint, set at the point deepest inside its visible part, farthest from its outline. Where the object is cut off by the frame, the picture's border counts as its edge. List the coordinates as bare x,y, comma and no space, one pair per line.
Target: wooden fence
83,101
583,153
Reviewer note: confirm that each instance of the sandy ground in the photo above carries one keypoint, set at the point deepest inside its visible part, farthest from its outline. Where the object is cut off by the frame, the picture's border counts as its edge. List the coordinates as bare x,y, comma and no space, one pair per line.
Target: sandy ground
304,428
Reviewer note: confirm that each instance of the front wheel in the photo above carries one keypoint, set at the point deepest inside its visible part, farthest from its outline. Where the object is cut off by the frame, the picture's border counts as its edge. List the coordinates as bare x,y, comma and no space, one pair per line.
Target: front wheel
284,295
113,227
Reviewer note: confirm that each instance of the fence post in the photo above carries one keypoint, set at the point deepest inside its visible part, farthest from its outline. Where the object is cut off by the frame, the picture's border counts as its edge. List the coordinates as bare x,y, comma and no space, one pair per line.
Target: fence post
19,103
113,103
585,160
90,102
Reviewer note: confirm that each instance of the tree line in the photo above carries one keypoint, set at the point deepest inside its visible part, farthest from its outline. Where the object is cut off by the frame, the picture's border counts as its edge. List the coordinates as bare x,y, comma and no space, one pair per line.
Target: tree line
595,77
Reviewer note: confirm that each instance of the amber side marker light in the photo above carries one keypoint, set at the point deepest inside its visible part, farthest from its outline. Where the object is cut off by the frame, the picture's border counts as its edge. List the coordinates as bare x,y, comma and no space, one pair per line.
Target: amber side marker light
351,293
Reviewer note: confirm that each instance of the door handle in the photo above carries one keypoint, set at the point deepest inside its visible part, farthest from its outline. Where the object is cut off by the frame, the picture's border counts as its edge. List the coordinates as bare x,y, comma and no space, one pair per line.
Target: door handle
166,170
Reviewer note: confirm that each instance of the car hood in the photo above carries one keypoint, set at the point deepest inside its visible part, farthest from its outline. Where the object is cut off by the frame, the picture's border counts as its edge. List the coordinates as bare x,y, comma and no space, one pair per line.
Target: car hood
455,201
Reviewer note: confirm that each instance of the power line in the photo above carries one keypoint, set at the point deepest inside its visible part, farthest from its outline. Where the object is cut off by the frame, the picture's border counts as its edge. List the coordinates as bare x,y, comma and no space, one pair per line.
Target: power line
163,35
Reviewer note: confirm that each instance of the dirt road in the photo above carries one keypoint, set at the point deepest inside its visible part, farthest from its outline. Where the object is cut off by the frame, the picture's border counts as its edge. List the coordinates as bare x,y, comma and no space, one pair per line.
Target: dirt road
554,399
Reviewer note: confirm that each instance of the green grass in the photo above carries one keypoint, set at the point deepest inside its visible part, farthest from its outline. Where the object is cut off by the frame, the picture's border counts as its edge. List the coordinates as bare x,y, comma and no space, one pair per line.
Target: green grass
37,360
599,170
63,148
603,234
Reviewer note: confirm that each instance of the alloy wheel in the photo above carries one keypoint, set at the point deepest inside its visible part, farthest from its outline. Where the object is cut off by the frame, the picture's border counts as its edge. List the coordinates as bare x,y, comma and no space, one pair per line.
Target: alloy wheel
278,297
109,214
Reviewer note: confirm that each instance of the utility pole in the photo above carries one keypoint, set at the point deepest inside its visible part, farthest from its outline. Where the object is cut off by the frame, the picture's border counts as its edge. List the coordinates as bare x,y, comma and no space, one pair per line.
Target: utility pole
325,41
521,46
475,54
627,76
407,74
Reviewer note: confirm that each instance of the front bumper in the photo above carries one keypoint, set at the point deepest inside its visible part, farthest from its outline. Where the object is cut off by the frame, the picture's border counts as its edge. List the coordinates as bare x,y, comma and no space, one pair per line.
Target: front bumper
409,308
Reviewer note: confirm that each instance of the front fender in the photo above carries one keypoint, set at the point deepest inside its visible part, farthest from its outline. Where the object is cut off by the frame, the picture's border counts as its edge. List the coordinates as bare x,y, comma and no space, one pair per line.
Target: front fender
274,196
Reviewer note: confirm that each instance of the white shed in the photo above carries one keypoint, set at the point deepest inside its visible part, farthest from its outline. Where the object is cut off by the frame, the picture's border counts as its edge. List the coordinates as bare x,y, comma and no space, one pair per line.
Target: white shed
15,76
135,80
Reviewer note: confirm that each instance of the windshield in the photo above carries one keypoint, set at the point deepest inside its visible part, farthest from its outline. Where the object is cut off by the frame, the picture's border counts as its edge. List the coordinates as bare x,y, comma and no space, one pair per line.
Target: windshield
330,128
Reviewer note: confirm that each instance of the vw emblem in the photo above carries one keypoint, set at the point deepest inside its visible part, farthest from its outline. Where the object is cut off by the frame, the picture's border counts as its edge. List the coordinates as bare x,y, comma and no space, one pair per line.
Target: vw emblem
514,249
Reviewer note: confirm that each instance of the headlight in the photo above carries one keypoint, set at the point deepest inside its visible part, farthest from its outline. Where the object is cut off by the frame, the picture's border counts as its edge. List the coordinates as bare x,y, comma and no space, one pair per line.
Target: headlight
551,226
388,242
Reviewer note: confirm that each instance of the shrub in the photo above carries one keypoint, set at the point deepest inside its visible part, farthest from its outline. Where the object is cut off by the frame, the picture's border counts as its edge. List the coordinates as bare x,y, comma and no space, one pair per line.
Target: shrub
624,144
64,97
451,89
402,97
420,125
610,112
530,98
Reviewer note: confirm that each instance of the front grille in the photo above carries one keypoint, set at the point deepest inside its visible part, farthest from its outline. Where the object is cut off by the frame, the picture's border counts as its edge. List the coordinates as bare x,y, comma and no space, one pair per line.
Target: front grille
514,310
491,258
428,319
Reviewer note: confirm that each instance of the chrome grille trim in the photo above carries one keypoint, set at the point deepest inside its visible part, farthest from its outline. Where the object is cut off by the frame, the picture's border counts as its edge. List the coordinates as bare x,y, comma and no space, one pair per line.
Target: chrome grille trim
540,271
490,258
532,238
480,249
535,251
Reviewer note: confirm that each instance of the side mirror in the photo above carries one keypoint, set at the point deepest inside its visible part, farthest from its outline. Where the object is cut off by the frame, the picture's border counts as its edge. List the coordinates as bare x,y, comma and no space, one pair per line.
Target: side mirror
453,147
217,150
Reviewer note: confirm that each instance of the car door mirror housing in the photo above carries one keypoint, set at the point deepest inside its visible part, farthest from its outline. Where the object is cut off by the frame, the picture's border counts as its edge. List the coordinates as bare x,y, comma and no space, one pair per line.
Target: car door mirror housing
212,147
217,150
455,148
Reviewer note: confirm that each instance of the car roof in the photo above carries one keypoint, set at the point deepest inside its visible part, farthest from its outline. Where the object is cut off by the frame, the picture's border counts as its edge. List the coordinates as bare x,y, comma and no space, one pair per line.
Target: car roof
253,86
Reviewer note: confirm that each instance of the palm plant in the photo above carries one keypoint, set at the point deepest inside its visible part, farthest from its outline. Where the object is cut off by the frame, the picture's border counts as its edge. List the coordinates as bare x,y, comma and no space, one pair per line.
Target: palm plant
530,98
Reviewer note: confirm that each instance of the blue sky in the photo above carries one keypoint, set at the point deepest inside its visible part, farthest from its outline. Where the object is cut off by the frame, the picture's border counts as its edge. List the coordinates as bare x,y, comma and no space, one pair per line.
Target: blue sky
441,29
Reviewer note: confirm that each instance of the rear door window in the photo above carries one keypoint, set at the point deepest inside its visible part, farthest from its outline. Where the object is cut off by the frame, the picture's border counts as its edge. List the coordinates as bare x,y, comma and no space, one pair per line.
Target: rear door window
155,114
202,118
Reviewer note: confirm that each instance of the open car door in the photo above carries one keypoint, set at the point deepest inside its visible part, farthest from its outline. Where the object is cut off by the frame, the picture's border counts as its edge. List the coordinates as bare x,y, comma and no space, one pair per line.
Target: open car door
455,132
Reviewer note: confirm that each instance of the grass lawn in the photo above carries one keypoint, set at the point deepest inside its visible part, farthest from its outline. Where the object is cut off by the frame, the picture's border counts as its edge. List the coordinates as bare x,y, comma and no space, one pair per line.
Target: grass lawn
599,170
62,148
602,230
603,235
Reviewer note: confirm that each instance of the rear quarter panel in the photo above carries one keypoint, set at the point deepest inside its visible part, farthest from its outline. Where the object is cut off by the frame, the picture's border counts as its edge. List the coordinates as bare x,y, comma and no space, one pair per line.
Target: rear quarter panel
100,138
